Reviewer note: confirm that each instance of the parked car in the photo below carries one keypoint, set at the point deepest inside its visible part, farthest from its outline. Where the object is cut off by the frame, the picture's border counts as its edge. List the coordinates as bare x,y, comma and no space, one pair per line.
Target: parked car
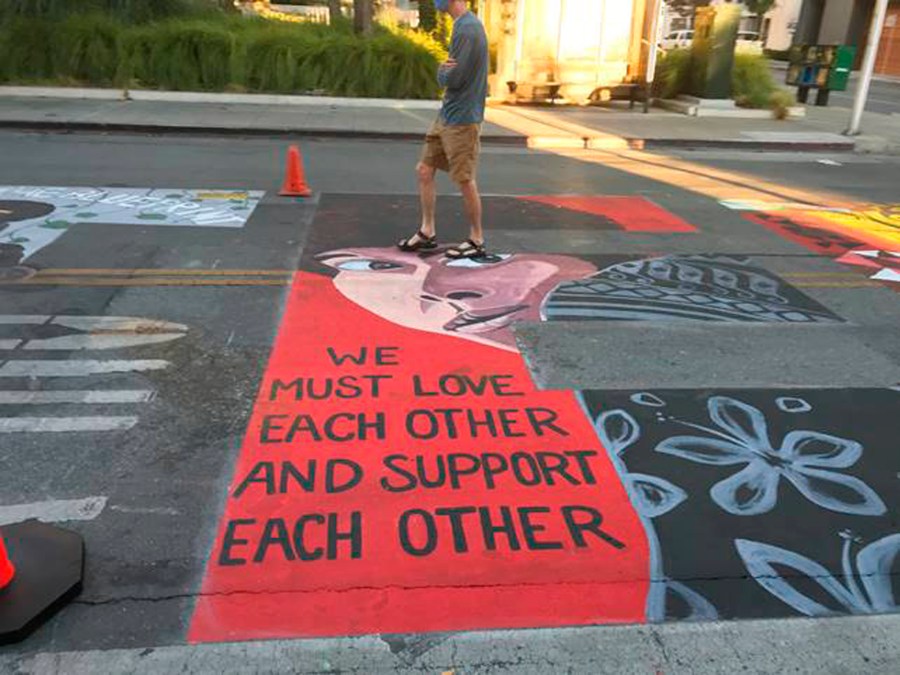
747,41
677,39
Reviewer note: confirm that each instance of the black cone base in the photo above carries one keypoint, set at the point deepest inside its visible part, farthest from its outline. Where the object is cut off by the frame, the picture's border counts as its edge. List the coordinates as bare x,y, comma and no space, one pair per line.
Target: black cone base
49,565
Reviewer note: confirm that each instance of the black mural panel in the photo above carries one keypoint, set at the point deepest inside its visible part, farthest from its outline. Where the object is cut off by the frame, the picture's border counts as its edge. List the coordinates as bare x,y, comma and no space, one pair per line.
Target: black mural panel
764,503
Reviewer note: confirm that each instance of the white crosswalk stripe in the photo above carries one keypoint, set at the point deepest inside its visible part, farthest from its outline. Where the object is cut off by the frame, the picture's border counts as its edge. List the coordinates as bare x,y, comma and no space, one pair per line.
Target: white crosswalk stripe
36,425
30,333
76,396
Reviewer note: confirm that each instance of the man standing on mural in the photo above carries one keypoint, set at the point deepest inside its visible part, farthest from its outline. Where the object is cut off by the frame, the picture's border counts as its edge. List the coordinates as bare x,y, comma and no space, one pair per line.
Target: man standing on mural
452,143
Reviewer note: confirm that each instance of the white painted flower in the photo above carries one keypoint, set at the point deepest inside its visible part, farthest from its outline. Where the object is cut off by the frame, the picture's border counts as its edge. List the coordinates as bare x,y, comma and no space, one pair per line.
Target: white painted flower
865,586
809,460
652,496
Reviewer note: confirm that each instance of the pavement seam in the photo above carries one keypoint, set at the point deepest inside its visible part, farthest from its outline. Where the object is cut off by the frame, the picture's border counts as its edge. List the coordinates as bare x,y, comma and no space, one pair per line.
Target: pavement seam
242,592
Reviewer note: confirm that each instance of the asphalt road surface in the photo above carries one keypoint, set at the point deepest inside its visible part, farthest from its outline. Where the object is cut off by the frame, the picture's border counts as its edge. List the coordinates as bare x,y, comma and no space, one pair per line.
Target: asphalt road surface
670,394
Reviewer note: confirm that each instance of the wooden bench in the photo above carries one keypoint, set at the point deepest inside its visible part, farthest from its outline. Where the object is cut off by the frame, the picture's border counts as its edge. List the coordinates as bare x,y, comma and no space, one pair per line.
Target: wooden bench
626,91
540,91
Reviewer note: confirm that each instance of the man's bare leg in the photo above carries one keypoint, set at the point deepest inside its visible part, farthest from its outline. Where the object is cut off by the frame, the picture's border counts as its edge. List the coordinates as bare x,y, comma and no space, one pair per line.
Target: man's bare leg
428,196
472,202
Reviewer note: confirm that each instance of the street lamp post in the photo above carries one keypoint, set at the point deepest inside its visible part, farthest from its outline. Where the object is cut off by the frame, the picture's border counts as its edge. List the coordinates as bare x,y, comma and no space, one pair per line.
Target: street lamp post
868,67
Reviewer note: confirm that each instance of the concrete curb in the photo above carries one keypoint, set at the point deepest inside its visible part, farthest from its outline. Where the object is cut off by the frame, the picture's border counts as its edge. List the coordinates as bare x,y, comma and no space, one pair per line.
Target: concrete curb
283,132
211,97
737,144
864,644
599,142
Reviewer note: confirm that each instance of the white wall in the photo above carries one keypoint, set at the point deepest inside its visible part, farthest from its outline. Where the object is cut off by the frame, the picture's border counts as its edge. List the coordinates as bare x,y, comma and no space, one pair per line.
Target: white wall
783,24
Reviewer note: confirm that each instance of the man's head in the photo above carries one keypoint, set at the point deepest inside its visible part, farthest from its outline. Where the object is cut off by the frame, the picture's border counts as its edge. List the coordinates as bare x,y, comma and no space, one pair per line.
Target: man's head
472,299
452,7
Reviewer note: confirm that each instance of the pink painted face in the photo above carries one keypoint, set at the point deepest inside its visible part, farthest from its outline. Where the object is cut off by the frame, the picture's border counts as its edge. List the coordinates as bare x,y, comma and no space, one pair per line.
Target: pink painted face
473,299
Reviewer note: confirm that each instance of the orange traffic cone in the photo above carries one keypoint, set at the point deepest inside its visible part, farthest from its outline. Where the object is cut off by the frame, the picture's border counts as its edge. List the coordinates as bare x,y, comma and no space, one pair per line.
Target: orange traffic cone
7,569
294,178
40,572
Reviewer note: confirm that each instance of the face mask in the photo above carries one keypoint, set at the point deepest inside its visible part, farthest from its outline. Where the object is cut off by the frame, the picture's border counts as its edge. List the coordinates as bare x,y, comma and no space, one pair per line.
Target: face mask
442,5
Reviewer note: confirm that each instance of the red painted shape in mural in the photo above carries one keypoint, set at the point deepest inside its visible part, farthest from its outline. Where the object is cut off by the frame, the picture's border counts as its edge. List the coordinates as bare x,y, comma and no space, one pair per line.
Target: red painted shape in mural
795,228
555,564
634,214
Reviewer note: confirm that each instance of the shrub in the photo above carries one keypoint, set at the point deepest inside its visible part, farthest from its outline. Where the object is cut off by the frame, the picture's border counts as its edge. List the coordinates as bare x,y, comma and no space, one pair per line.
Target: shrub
26,45
129,10
673,74
219,52
181,55
781,102
752,81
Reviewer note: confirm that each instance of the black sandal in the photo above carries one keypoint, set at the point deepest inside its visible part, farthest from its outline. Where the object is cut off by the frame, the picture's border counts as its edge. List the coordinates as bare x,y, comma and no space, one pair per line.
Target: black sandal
469,249
424,242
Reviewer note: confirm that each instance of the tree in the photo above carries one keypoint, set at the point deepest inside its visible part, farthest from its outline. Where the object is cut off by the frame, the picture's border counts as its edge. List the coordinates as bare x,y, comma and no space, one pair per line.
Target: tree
685,7
758,8
362,16
334,9
427,16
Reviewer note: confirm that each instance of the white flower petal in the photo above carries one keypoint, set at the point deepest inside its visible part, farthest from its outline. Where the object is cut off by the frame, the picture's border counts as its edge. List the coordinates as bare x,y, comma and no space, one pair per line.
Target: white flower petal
741,420
653,496
705,450
836,491
617,430
810,448
749,492
875,565
761,560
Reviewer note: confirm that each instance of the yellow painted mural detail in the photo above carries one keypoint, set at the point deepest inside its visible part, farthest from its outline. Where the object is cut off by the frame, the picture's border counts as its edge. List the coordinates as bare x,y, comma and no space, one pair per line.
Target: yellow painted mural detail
877,225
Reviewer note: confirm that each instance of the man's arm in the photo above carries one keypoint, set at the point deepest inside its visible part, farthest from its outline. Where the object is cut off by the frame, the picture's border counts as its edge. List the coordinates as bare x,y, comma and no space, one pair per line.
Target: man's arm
463,61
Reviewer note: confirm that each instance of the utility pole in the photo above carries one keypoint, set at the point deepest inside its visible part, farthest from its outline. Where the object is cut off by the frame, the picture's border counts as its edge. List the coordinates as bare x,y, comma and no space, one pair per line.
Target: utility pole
868,66
655,27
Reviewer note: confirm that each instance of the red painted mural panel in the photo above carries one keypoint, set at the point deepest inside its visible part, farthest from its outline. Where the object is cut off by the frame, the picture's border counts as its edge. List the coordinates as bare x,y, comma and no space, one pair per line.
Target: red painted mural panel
396,480
633,214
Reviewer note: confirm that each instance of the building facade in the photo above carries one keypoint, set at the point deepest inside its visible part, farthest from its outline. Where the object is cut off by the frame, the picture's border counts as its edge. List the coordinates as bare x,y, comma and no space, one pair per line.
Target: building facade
847,22
580,44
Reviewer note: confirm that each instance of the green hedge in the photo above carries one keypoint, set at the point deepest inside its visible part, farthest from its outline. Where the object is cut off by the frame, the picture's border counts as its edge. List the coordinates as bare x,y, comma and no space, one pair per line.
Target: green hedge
216,53
751,80
129,10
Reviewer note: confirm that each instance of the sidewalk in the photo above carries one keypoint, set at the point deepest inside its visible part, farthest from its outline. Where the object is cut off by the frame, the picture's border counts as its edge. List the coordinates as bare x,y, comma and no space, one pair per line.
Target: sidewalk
233,114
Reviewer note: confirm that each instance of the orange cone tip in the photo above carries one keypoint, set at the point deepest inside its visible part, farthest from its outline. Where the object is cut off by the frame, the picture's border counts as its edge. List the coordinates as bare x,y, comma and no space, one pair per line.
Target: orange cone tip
7,571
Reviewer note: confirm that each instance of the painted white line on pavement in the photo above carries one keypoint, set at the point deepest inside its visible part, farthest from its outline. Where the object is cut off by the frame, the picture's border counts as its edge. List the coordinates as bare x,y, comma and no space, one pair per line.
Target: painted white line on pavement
53,511
31,425
147,510
25,318
96,332
76,396
28,368
77,342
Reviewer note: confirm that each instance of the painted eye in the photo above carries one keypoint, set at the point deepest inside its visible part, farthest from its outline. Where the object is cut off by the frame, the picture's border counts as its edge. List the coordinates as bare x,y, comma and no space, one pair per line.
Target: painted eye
363,265
491,259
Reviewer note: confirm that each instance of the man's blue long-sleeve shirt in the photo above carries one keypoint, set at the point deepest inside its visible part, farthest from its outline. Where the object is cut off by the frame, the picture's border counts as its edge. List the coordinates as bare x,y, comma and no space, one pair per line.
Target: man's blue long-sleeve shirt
466,83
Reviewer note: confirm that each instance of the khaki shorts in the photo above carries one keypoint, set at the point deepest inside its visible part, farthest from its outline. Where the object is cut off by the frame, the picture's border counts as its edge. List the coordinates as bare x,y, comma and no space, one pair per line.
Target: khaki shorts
453,148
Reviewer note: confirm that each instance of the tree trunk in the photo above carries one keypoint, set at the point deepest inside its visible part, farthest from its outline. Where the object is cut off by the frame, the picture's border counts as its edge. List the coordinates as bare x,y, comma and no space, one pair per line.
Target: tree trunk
334,9
362,16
